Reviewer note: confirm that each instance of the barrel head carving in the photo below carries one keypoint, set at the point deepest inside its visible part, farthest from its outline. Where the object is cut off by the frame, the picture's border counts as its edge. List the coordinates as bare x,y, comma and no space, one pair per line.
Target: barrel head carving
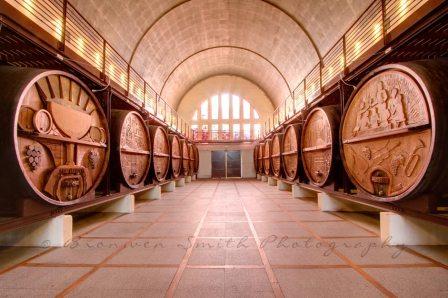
386,135
60,160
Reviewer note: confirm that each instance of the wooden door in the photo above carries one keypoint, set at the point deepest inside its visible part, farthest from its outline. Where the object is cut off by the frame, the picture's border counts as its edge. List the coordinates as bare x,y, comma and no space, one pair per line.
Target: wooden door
233,163
218,164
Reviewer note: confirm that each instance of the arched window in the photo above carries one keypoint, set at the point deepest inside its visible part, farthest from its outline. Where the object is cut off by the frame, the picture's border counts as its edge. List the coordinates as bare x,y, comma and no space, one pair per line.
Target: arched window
226,117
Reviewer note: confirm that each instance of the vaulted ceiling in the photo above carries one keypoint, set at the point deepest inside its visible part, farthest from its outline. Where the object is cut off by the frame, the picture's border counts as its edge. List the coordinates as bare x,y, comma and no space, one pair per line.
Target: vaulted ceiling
175,44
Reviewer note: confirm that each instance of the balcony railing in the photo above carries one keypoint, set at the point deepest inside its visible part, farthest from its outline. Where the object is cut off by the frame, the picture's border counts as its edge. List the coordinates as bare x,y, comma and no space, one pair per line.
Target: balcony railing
382,21
72,31
223,136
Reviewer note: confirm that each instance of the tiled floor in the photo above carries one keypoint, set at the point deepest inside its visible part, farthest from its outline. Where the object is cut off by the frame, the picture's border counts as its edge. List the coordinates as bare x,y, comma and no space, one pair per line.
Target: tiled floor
225,239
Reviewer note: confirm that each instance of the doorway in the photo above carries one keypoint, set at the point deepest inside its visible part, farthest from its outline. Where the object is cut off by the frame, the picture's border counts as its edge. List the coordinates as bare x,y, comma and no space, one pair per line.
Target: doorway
226,164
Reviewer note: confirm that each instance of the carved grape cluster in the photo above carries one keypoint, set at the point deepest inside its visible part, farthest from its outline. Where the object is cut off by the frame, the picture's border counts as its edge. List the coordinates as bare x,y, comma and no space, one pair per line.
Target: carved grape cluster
93,158
34,156
395,163
366,152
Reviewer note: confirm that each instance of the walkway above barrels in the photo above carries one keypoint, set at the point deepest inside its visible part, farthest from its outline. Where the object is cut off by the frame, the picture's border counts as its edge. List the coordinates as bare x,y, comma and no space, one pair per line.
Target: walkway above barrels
233,238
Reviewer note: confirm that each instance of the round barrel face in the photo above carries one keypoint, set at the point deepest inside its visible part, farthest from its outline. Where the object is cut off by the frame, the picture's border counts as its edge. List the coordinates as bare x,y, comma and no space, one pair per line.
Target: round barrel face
276,154
291,152
317,147
135,150
62,138
185,158
386,135
176,158
255,156
196,159
267,157
260,158
191,153
161,153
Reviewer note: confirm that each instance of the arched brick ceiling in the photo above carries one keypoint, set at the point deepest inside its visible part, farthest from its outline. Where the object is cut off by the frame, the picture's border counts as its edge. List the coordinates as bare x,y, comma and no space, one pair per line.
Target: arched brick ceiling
224,61
161,36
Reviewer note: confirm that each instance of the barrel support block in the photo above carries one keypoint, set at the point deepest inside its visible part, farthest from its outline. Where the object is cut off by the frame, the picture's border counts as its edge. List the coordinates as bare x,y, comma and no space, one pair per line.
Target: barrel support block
54,232
327,202
264,178
272,181
187,179
281,185
125,204
154,193
180,182
300,192
398,229
168,187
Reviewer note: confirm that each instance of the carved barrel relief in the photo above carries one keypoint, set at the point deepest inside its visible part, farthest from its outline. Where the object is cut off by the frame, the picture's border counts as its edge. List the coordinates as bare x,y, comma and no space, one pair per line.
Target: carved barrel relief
176,157
386,134
161,152
62,138
267,156
317,146
260,158
276,154
134,149
290,152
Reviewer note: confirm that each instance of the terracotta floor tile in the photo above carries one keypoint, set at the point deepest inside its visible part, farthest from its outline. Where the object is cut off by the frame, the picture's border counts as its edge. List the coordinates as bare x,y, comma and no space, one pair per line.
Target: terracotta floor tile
126,282
211,229
117,230
337,229
38,282
284,251
413,282
344,282
152,251
138,217
202,283
82,251
368,251
313,216
170,230
290,229
247,283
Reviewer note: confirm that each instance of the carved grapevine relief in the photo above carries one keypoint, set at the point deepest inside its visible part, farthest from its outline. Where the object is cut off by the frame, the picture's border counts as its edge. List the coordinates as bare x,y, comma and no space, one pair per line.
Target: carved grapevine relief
53,137
385,135
134,149
317,147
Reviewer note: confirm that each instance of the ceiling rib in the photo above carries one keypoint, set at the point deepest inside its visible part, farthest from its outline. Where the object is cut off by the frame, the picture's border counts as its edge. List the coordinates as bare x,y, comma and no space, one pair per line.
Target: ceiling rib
220,47
294,19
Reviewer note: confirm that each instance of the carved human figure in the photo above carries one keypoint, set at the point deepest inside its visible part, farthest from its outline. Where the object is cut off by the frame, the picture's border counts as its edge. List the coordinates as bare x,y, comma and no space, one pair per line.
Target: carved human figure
363,116
395,106
382,109
374,117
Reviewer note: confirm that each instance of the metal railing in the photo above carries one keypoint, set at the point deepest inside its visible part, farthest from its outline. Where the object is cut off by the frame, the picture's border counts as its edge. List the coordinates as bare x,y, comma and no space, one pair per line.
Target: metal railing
62,21
223,135
371,31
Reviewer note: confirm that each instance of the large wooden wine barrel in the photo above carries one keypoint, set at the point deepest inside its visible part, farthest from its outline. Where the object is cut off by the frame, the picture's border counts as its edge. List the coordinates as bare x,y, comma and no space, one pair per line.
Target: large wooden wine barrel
175,154
320,144
267,157
292,161
185,158
255,157
395,131
160,164
54,142
276,154
260,160
196,158
131,147
192,155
